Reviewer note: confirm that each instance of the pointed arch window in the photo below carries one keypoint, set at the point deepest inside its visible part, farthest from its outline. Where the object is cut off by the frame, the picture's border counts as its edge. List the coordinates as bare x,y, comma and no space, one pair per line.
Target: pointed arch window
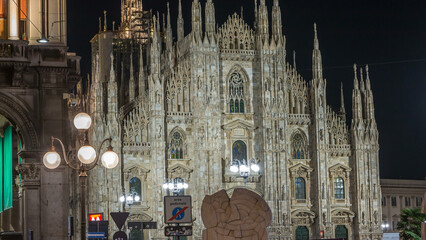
236,93
135,186
339,188
300,188
239,150
298,147
176,146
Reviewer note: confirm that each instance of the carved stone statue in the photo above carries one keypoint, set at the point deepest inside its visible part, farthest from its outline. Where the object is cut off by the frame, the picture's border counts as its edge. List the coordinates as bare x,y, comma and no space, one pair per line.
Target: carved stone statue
245,216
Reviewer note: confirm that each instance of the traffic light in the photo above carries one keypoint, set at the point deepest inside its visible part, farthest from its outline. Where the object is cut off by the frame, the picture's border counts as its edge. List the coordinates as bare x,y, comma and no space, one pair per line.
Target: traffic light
321,234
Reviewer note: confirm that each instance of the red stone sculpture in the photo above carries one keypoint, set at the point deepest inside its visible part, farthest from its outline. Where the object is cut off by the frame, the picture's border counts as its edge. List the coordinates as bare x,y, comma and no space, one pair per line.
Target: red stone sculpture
245,216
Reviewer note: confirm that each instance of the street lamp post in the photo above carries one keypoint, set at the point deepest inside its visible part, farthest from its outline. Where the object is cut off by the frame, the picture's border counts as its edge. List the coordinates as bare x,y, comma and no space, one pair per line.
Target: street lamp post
244,167
175,185
385,226
88,157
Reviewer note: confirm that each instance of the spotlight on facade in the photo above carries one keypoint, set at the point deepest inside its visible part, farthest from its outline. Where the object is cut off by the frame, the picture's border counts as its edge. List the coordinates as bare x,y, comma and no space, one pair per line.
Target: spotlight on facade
43,40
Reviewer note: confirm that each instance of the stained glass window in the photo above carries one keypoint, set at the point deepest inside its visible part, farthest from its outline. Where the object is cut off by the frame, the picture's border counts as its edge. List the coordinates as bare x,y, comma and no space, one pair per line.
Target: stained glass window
302,233
300,188
239,150
135,186
339,188
299,147
176,146
236,93
241,105
231,106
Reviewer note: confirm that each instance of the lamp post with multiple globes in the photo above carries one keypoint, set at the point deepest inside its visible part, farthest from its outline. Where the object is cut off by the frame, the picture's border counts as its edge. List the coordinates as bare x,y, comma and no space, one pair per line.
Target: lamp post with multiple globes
244,167
88,157
175,185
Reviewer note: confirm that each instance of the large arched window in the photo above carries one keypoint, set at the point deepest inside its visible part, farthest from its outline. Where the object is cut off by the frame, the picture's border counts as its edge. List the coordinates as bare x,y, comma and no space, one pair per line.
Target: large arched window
176,146
135,186
300,188
341,232
302,233
298,147
236,93
339,188
239,150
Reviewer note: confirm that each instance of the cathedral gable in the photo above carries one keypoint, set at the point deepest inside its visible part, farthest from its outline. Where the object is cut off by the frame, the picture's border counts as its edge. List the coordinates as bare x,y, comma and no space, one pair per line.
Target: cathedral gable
236,34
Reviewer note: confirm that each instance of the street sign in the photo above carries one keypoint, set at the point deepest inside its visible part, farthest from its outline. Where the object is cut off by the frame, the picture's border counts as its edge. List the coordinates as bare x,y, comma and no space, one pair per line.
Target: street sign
177,209
95,217
99,226
119,218
178,231
120,235
91,235
149,225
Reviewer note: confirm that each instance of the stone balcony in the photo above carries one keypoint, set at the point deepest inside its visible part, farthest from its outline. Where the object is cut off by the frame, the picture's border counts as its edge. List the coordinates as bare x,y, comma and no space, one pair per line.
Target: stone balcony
13,51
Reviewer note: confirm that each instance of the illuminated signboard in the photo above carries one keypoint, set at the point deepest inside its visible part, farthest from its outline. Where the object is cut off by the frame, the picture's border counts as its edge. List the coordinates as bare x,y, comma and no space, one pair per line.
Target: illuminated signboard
94,217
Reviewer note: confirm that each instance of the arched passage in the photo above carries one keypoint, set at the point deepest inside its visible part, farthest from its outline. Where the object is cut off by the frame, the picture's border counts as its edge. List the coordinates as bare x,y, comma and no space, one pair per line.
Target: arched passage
17,113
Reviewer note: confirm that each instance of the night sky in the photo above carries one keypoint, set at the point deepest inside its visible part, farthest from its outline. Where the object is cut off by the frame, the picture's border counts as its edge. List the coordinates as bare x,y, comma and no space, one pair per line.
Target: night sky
388,35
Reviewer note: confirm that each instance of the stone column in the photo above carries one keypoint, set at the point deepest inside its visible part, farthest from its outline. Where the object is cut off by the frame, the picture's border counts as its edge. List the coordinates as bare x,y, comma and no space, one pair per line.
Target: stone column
30,213
13,20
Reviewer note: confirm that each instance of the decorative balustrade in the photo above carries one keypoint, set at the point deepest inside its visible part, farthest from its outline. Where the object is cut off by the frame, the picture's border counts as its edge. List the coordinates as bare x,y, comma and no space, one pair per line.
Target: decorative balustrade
13,50
299,119
340,150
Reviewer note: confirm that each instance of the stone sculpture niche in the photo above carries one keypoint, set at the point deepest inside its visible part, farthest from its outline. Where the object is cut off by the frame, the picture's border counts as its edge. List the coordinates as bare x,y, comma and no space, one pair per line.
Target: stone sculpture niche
245,216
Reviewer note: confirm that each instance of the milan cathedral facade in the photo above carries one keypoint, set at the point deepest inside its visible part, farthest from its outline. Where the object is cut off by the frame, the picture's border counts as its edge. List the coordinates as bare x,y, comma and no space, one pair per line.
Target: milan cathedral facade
188,108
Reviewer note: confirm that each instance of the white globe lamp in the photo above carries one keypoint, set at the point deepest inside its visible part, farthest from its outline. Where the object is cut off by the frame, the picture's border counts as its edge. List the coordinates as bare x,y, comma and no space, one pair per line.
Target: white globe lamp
86,154
51,159
109,159
82,121
244,168
234,168
255,167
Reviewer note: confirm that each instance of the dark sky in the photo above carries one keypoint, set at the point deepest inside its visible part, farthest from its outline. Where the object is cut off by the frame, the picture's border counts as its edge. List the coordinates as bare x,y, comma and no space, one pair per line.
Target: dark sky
388,35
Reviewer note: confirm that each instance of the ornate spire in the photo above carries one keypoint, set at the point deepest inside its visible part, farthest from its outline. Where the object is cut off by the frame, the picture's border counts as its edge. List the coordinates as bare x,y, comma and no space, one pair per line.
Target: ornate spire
210,19
276,21
255,15
196,19
180,28
355,77
367,79
105,20
169,34
141,77
316,58
316,43
263,24
342,100
294,59
112,88
356,102
361,82
132,79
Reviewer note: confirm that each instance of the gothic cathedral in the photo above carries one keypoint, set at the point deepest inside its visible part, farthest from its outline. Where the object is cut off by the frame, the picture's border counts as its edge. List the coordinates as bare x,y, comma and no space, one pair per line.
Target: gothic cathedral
187,109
